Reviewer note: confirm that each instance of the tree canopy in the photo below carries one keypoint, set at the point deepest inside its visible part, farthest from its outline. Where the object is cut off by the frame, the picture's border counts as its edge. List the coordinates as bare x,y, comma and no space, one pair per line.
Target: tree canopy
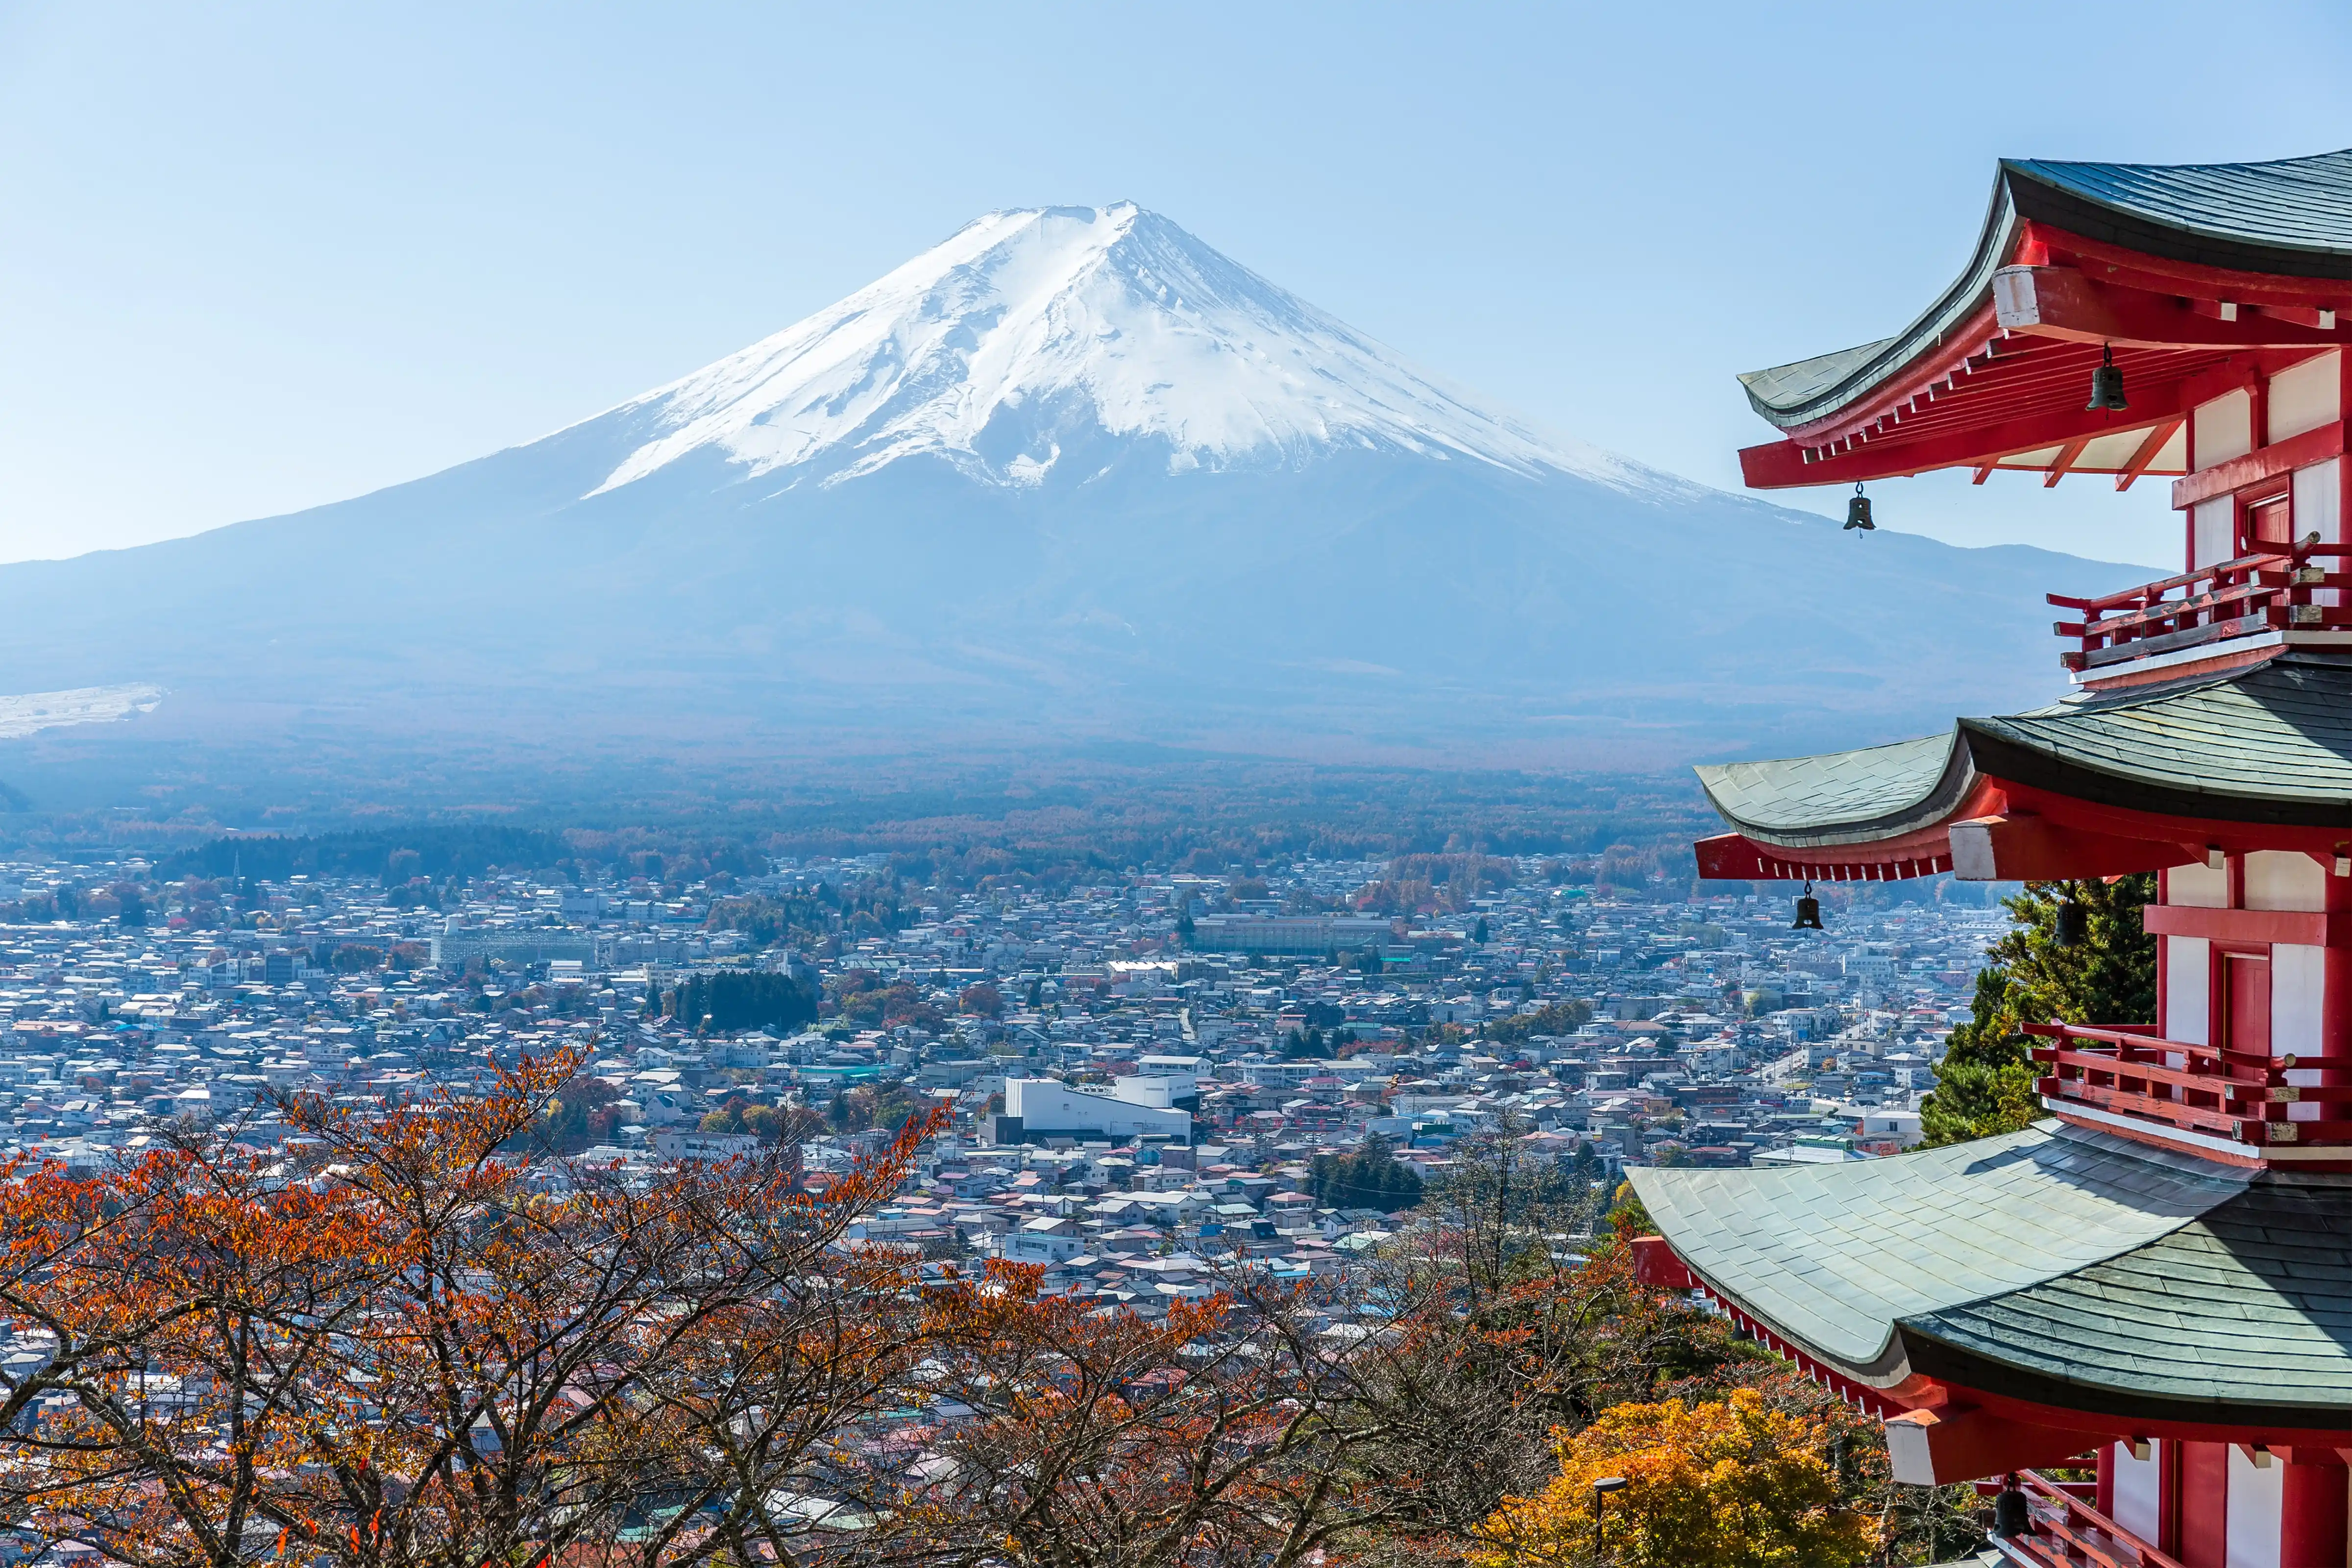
1730,1483
2105,975
745,999
1370,1178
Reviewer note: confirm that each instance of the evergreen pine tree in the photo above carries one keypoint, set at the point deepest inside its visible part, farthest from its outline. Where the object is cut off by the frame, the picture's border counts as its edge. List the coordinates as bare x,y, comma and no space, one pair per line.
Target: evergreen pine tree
1986,1082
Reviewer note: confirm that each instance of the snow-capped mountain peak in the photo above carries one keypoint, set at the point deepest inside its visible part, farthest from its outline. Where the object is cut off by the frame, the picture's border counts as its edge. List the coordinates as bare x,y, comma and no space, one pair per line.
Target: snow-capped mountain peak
1034,330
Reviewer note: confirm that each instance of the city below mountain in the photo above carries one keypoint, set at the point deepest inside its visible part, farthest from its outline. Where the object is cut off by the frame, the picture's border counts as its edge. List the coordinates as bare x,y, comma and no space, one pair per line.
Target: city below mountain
1069,477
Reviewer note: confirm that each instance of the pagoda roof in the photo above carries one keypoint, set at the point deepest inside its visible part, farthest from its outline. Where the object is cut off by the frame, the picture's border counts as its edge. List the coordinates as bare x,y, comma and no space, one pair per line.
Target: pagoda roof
1967,383
2058,1264
2268,745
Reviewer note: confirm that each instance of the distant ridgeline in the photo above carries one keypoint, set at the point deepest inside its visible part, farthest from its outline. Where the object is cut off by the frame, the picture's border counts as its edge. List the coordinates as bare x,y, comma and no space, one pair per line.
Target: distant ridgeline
439,851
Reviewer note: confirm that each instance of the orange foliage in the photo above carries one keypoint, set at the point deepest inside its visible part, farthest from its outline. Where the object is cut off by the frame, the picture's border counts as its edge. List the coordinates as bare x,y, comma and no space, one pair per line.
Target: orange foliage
410,1348
1731,1484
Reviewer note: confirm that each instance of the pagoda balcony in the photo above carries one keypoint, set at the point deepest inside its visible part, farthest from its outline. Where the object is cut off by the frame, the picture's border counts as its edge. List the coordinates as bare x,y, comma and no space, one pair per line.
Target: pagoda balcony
2070,1533
2250,597
2131,1074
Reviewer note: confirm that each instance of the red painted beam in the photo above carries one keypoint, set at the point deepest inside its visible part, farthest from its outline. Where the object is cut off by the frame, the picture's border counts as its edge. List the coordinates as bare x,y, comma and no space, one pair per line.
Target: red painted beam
1732,857
2004,848
2264,463
1781,465
1965,342
2146,453
2299,928
1655,1263
2061,302
2126,268
2064,460
1938,1447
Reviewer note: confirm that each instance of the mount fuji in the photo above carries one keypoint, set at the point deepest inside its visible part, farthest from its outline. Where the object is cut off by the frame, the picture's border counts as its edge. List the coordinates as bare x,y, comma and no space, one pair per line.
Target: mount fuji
1070,476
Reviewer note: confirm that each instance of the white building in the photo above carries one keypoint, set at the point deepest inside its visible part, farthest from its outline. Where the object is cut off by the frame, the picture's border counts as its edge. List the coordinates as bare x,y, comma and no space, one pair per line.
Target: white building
1133,1108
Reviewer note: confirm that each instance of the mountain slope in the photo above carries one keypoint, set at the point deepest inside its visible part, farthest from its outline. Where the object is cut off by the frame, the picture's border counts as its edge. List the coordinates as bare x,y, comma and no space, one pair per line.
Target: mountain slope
1027,326
1070,474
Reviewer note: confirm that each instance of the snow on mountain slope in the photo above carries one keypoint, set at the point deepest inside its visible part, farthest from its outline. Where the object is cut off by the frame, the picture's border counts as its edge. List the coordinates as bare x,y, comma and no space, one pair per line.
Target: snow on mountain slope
1028,331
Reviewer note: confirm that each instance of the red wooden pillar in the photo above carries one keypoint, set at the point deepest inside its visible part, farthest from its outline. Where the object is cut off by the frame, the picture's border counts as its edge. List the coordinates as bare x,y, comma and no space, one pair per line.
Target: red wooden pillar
2335,992
2205,1506
2343,466
2312,1504
2107,1502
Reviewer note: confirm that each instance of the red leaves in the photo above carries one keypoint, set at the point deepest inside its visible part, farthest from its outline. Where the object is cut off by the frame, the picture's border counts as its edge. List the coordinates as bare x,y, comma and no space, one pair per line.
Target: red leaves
406,1349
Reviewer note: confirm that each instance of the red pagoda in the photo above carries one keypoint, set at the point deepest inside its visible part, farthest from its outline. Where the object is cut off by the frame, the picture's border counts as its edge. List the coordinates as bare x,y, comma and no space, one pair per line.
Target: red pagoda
2160,1272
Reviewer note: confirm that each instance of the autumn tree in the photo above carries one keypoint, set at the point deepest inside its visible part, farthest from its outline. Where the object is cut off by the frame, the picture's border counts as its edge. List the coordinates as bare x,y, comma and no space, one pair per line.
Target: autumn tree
1382,1415
1501,1208
579,1114
1562,1017
1729,1483
411,1351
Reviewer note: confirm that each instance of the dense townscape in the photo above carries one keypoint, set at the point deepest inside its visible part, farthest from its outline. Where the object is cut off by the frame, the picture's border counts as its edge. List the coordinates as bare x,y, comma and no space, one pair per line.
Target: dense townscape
858,1173
1145,1068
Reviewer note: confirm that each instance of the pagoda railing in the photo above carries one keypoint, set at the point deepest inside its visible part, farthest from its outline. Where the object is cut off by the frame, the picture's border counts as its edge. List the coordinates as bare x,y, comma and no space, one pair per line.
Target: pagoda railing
2237,1095
2069,1532
2244,598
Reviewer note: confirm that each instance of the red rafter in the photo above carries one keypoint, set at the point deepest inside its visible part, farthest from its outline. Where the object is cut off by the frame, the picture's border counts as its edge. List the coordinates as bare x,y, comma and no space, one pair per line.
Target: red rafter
2065,459
2146,453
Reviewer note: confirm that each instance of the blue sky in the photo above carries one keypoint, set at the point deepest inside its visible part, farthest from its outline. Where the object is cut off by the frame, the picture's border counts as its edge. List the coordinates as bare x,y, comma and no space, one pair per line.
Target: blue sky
259,257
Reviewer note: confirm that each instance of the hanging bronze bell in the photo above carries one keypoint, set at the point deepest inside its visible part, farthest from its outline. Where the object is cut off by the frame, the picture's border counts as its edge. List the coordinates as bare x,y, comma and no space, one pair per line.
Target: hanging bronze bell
2073,924
1809,910
2011,1516
1857,509
2106,387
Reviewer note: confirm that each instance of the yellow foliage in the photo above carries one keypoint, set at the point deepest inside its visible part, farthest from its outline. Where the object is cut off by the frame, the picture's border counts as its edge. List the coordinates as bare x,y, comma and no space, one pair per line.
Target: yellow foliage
1729,1485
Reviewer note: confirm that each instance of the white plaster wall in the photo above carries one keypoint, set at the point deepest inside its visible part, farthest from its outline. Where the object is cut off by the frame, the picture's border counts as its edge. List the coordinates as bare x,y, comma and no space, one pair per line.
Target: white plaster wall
2223,429
2284,880
2306,396
2187,981
2213,532
2316,499
2199,887
2139,1504
2318,503
2297,981
2253,1517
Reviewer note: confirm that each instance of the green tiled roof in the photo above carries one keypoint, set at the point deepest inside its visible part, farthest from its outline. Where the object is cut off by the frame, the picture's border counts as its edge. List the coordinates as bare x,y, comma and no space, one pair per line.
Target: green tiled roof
2291,217
2273,744
1840,797
2299,206
1836,1255
2270,744
2054,1265
2248,1305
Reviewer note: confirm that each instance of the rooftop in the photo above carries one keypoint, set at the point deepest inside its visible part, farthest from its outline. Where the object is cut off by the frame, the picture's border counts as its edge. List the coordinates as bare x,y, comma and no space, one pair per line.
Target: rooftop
2178,267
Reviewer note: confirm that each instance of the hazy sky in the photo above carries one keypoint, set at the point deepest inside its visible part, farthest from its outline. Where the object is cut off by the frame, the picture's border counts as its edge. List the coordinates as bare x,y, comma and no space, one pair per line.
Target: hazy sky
253,258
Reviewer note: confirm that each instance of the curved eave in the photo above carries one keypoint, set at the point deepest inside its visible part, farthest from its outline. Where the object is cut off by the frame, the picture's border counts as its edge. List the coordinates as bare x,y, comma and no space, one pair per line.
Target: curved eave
1842,799
2090,1387
2290,217
2268,748
1842,1260
2277,233
2002,753
1794,397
